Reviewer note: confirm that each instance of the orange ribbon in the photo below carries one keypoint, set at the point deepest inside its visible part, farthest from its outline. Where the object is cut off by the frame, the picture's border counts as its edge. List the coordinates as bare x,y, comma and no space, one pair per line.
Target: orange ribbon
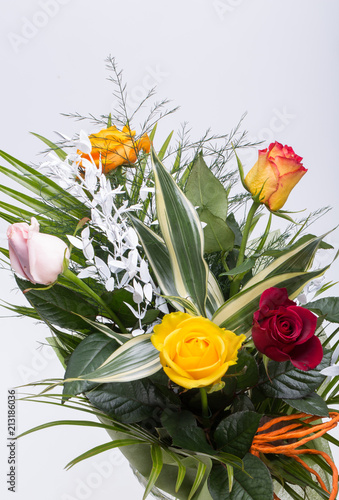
301,432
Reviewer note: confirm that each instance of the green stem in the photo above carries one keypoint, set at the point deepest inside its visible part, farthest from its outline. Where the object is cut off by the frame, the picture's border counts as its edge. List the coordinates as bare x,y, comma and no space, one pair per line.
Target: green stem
265,236
235,285
204,403
223,260
89,292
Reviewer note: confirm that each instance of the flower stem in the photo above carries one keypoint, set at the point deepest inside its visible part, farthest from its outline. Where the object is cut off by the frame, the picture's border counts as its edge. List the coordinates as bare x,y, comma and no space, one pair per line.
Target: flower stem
204,402
235,285
90,293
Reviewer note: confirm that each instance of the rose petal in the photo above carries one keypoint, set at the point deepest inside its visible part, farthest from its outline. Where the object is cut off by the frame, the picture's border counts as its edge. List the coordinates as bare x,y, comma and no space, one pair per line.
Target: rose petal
285,185
274,297
46,257
308,355
309,321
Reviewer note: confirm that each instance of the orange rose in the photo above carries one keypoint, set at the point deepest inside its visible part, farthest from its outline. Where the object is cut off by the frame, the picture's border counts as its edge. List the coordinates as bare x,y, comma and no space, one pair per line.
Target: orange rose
275,174
114,147
195,352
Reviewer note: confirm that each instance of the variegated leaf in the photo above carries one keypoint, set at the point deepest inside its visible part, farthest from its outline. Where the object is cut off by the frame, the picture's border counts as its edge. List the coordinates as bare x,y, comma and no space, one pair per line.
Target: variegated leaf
183,236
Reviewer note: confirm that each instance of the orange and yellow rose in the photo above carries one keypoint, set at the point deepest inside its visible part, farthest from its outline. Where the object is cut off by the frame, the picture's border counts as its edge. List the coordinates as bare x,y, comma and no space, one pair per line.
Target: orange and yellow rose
195,352
274,175
114,148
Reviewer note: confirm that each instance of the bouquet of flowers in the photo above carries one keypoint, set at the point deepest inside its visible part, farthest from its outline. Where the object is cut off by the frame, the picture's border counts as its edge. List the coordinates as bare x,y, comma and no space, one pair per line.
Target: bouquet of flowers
192,341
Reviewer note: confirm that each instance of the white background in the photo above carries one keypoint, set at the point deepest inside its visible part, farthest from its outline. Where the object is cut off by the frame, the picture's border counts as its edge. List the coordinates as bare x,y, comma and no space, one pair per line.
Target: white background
216,59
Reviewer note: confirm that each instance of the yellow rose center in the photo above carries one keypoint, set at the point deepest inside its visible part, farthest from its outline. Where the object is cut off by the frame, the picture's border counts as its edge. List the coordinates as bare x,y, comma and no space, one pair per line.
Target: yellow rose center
196,346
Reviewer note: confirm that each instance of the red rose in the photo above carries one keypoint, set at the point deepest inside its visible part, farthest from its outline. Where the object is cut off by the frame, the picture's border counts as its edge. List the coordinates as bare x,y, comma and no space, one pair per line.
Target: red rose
284,331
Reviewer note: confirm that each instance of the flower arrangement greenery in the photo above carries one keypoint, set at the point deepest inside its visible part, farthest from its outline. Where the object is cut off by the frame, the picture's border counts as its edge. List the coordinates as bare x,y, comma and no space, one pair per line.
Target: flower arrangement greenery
185,336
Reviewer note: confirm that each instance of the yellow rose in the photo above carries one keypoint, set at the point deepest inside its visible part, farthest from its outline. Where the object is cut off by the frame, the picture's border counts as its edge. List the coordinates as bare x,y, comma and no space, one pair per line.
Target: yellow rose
195,352
275,174
115,147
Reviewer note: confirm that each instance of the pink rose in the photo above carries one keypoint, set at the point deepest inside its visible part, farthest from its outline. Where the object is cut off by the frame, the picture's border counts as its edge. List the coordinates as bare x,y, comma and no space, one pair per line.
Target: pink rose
37,257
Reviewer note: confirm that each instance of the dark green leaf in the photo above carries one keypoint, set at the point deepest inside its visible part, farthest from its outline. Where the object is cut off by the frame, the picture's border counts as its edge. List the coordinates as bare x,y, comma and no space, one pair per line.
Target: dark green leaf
312,404
183,429
233,224
116,301
235,433
248,364
242,403
287,382
87,357
59,305
129,402
254,483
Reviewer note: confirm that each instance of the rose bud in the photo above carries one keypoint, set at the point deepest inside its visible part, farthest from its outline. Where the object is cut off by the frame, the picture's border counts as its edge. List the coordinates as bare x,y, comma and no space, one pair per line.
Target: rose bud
284,331
113,148
275,174
195,352
35,256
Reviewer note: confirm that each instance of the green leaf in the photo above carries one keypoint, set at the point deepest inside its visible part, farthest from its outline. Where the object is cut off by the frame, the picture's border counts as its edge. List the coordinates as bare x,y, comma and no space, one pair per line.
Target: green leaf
248,364
58,151
292,472
157,255
87,357
59,305
39,206
234,226
183,236
218,236
4,252
43,186
235,433
237,313
103,447
205,191
241,170
185,433
313,404
308,237
296,260
201,469
242,403
328,307
82,423
215,298
243,268
30,312
164,147
134,360
181,468
121,338
129,402
254,483
157,462
287,382
116,301
159,260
